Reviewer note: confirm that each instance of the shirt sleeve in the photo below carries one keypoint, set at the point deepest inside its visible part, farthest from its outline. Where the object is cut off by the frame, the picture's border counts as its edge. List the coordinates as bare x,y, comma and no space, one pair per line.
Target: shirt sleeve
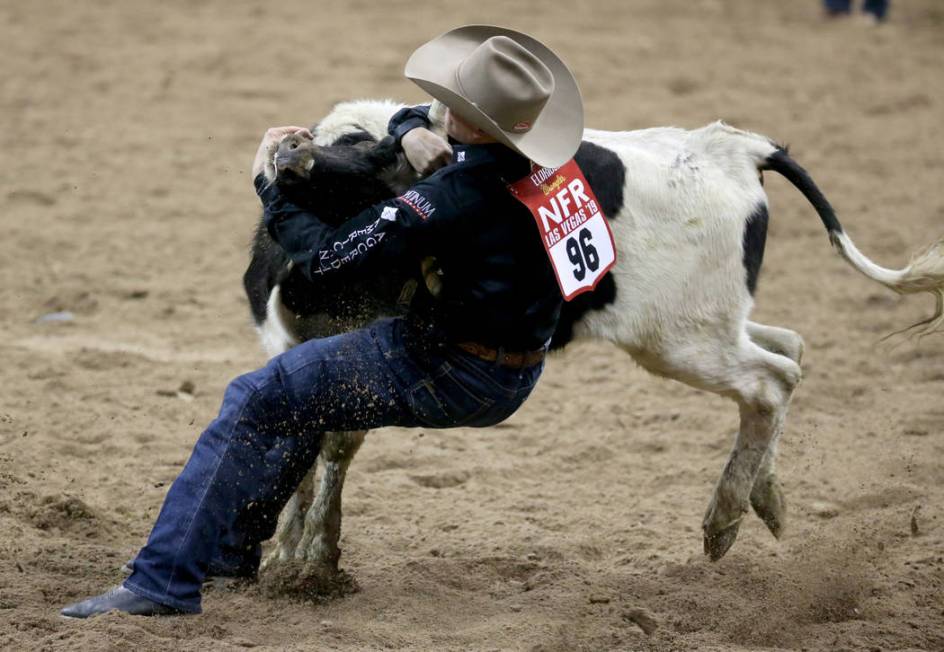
386,232
407,119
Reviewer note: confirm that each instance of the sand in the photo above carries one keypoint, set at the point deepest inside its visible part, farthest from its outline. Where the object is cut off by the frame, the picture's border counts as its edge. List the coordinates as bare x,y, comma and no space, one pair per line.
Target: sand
128,130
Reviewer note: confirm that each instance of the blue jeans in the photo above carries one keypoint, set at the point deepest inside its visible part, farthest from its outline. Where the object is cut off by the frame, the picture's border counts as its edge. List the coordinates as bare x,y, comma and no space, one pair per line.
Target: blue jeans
248,462
877,8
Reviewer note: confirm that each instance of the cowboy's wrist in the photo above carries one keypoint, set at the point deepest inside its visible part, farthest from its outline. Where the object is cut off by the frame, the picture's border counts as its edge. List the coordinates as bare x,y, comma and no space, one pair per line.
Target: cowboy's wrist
405,127
268,192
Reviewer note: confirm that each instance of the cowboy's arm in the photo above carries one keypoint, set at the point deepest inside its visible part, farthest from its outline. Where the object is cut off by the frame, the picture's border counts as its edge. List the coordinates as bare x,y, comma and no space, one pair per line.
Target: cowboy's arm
425,151
383,233
407,119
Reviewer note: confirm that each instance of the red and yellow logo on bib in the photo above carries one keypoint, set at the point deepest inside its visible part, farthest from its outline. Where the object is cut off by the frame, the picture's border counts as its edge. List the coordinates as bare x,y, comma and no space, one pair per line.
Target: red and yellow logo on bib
571,224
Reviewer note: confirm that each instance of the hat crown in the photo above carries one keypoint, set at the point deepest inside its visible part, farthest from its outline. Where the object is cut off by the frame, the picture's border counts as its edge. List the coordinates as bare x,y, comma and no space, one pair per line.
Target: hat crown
506,82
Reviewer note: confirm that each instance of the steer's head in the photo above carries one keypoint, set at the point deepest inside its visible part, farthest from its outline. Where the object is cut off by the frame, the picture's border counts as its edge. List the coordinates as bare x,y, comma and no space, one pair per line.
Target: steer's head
294,159
337,180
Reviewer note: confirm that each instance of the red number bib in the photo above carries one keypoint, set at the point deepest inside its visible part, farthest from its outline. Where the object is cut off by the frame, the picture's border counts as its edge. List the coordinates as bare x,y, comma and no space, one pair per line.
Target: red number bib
572,226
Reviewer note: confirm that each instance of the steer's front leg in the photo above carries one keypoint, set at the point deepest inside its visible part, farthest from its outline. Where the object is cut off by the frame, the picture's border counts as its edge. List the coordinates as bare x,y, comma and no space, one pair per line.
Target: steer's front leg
312,570
319,542
291,522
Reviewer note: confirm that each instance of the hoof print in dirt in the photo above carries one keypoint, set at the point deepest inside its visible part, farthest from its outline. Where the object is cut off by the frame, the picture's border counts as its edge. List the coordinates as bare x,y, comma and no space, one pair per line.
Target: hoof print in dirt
306,581
643,619
441,480
65,513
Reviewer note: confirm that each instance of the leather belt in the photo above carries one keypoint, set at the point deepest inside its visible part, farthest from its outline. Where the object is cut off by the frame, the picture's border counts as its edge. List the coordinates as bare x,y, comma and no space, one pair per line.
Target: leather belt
513,359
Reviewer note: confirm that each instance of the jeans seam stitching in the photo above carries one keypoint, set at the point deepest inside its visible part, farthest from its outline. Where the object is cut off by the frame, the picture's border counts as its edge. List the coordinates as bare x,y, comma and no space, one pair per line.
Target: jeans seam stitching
216,470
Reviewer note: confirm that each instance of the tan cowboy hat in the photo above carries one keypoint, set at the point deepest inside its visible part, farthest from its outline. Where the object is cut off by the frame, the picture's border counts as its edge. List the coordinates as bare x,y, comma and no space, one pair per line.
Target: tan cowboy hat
507,84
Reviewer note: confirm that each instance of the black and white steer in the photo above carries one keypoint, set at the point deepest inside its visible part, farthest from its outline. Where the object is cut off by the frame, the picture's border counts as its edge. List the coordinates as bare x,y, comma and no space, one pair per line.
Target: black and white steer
689,216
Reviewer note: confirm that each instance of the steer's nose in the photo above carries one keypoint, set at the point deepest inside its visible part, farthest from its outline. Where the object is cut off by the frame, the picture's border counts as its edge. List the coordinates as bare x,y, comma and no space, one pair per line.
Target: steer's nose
295,157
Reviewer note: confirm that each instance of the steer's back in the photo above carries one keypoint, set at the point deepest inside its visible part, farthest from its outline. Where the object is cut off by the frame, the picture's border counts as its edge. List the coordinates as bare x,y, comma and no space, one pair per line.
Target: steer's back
688,199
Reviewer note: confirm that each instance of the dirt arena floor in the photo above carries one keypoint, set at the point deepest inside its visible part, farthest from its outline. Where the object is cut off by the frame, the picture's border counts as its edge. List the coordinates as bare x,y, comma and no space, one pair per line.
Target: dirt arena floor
128,130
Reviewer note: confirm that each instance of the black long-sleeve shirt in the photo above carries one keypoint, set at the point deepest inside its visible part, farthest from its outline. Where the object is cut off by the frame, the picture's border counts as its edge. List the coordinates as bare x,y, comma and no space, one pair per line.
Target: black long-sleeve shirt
498,285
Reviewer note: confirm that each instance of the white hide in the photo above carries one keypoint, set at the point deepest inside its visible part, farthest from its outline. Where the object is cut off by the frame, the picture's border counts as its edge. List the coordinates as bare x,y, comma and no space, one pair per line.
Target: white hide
345,118
274,334
686,200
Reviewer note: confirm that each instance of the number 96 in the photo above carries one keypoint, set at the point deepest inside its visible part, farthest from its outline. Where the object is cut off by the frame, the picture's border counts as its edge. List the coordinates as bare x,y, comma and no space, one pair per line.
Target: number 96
582,254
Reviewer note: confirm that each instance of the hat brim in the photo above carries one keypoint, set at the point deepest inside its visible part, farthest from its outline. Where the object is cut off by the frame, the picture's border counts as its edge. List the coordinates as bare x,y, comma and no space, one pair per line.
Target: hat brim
555,135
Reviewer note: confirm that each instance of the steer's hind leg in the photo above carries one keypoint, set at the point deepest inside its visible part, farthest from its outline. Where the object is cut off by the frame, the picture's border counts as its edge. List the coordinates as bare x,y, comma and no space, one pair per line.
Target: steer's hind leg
777,340
767,497
761,383
318,545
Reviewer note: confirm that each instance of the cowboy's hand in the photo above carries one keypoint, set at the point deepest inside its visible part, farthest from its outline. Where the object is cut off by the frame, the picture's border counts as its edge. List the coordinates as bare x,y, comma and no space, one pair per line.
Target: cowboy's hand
425,151
265,155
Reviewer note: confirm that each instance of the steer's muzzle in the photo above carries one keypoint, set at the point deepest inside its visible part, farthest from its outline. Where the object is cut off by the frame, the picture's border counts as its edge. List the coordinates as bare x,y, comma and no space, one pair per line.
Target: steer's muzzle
294,158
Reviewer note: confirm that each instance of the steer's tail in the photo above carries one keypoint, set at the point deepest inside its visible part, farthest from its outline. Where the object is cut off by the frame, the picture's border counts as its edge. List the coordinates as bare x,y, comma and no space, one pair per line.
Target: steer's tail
925,273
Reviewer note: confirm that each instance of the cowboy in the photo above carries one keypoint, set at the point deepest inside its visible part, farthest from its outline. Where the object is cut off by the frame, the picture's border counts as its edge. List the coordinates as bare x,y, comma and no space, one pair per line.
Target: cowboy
470,357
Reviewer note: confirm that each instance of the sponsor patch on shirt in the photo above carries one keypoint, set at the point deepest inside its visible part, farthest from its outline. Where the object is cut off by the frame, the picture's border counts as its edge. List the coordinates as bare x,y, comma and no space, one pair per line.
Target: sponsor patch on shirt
389,213
420,204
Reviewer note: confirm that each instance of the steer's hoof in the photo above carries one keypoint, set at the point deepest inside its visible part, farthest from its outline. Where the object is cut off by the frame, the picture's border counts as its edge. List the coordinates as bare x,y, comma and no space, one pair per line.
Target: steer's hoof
282,552
273,559
307,580
769,504
719,540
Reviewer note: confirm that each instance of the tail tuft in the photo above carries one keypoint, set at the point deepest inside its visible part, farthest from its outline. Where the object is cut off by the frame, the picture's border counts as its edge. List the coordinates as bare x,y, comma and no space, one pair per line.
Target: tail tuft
925,273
